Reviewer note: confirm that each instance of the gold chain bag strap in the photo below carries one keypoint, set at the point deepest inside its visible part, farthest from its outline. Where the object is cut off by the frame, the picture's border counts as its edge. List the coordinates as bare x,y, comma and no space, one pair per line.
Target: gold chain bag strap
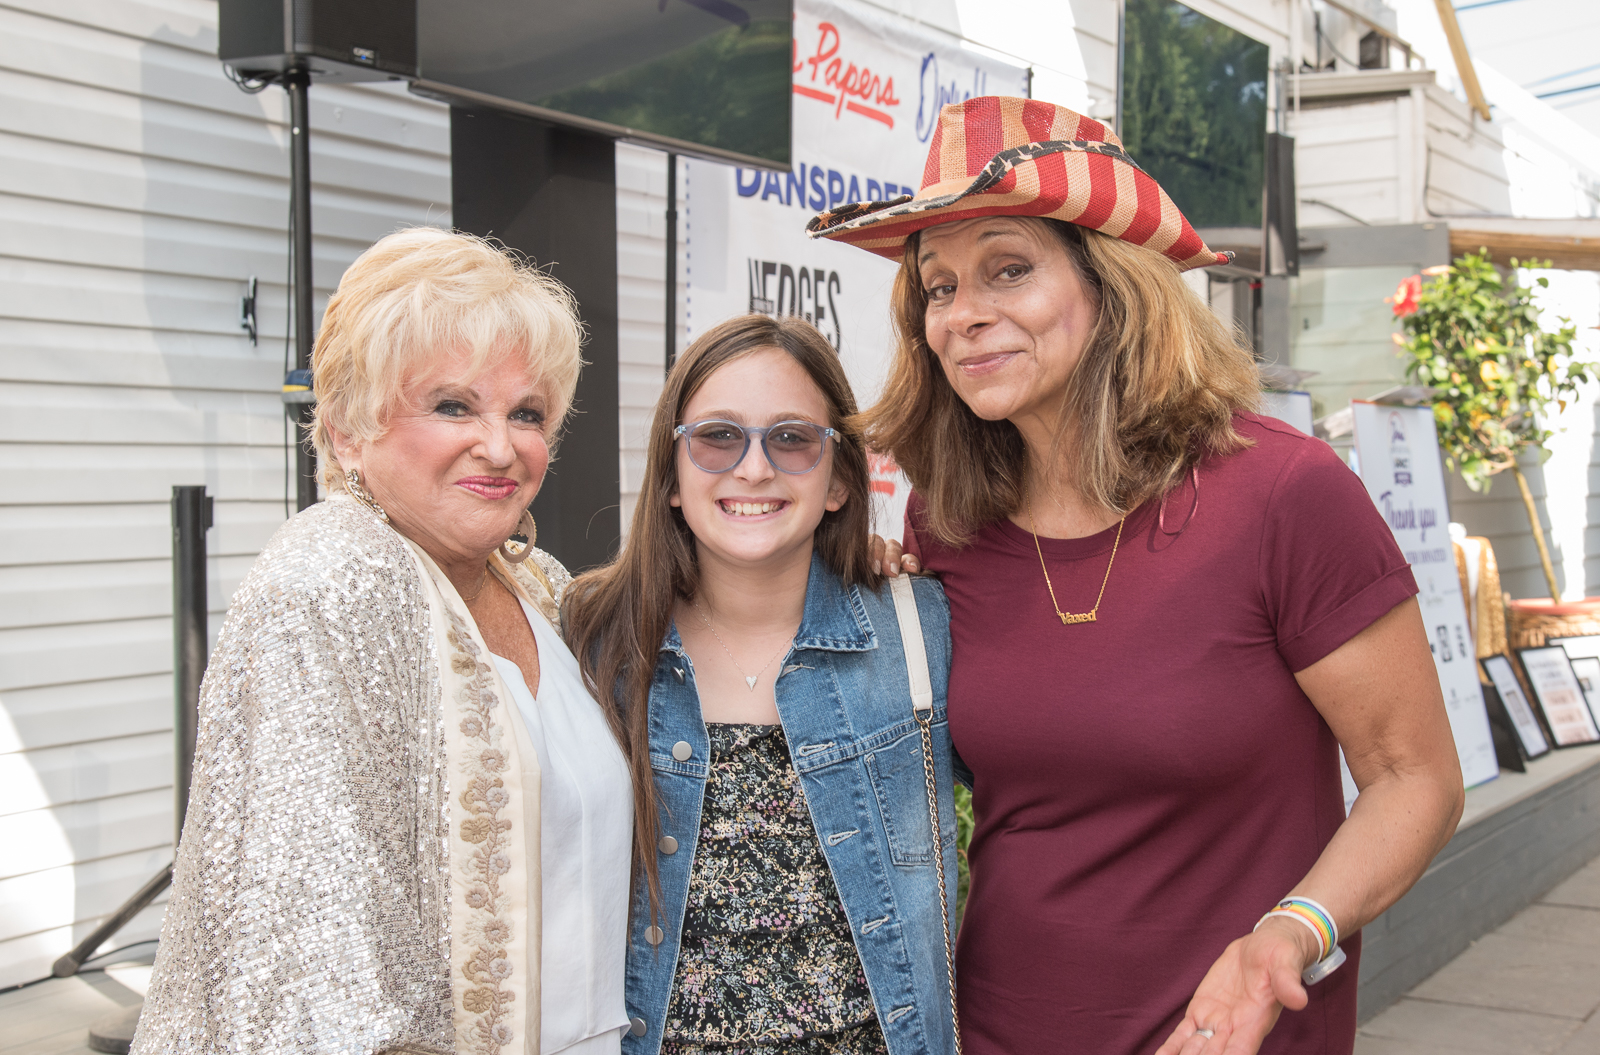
905,609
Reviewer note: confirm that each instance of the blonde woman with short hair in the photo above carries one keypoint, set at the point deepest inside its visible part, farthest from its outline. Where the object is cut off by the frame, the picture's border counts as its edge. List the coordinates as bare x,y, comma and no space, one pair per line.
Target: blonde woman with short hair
410,823
1168,614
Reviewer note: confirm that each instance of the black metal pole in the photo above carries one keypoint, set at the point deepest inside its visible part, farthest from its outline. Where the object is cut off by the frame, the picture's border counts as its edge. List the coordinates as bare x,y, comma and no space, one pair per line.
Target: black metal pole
297,83
191,517
68,965
672,260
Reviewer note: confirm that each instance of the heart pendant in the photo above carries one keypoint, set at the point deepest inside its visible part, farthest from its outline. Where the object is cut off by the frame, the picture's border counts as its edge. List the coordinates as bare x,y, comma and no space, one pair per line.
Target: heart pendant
751,681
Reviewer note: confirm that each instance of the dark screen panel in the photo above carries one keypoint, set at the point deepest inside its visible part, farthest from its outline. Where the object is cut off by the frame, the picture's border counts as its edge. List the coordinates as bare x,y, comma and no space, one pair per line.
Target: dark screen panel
1194,110
712,72
550,192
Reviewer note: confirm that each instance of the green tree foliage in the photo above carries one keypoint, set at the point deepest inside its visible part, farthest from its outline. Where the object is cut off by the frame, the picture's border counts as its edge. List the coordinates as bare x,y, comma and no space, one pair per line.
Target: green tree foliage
963,840
1475,338
1194,111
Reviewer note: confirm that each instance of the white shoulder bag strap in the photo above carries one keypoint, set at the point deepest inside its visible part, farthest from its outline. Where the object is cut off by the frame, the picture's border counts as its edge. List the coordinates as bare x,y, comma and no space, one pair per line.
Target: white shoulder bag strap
905,609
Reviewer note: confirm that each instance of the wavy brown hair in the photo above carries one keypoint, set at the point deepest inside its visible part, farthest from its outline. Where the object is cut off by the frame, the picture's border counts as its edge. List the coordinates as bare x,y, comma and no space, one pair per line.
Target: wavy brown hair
617,616
1155,390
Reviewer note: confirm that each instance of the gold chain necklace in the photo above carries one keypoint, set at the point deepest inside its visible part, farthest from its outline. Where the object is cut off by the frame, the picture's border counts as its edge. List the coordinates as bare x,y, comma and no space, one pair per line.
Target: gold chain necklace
483,582
749,679
1069,617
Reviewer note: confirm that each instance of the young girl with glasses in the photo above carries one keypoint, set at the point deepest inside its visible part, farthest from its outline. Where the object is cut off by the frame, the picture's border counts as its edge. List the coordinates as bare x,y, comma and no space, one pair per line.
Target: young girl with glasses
788,875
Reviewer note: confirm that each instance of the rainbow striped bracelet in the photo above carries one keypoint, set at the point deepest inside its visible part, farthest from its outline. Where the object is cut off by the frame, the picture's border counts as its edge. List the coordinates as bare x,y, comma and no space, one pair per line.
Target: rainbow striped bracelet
1319,920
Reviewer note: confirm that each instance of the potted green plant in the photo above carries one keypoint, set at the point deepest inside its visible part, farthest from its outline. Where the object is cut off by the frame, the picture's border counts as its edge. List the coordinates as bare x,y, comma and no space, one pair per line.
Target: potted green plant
1474,337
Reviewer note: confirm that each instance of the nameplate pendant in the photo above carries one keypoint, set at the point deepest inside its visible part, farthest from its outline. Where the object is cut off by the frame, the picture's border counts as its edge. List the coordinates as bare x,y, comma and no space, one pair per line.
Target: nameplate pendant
1068,618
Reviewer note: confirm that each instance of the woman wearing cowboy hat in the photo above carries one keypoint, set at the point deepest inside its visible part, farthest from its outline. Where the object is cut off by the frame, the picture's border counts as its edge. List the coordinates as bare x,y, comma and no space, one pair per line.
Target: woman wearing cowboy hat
1168,615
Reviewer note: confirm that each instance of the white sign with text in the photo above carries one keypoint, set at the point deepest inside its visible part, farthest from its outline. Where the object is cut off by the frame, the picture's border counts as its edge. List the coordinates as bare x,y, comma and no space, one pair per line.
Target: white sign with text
868,86
1399,459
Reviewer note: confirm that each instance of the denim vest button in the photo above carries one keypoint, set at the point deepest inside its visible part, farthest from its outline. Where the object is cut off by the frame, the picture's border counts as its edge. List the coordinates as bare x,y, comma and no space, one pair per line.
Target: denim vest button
637,1027
682,751
677,672
654,935
668,845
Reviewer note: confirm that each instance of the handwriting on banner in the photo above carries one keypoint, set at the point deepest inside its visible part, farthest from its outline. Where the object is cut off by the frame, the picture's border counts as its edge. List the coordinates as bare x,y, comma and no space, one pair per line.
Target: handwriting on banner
934,93
1408,518
847,81
777,288
815,188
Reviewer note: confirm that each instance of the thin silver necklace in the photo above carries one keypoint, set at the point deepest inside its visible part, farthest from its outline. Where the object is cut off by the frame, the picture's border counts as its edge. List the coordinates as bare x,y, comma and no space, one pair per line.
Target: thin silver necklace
749,679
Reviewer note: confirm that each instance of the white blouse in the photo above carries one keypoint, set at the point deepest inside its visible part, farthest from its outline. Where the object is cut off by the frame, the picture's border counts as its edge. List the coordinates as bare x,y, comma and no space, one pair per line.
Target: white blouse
586,843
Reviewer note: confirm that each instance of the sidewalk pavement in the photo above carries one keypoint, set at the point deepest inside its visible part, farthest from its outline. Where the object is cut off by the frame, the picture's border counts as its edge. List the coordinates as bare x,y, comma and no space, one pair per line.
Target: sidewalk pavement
53,1018
1530,988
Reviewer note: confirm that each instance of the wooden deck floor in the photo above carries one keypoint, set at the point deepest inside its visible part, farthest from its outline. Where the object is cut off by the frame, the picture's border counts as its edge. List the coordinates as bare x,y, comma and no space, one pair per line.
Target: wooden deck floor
53,1018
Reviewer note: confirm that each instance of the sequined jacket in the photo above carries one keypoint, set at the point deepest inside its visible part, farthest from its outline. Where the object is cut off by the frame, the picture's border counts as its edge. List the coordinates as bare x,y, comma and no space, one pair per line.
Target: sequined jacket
311,908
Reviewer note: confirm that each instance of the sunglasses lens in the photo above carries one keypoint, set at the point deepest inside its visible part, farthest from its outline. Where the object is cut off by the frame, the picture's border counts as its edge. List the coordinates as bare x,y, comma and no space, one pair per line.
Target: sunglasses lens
794,446
715,446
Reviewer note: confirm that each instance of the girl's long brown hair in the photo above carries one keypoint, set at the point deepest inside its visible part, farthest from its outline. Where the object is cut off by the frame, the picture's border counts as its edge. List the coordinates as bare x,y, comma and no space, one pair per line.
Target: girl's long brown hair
616,617
1155,391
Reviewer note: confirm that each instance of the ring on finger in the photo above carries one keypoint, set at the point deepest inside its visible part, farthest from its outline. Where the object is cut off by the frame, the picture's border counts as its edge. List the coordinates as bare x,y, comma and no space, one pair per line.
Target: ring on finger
1206,1033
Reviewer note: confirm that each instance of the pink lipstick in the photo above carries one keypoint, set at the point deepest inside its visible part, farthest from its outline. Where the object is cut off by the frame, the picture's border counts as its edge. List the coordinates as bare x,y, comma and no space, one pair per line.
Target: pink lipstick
493,488
978,365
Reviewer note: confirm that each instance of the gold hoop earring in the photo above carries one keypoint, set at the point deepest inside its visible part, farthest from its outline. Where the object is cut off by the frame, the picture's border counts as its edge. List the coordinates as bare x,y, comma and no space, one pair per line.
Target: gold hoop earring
352,483
525,526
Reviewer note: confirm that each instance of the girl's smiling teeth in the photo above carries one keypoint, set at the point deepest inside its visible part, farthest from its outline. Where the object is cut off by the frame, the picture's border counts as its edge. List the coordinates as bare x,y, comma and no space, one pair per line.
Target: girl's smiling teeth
750,509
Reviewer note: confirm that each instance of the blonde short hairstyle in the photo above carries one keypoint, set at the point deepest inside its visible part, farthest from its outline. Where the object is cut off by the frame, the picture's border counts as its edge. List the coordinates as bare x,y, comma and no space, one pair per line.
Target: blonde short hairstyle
423,293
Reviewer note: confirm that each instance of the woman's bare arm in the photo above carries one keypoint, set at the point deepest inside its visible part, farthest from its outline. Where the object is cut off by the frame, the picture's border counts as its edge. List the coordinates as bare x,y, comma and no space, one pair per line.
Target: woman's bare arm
1379,693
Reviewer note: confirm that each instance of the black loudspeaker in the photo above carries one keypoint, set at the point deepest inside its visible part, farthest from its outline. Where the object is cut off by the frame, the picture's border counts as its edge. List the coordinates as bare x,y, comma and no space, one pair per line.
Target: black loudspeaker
342,40
551,192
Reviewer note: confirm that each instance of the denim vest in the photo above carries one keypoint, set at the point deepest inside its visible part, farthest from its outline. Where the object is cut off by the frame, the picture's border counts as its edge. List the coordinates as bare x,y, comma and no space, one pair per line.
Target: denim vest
845,703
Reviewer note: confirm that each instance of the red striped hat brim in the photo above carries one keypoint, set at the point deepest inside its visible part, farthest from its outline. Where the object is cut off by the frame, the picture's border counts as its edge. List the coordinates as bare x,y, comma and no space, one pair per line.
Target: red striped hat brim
1090,183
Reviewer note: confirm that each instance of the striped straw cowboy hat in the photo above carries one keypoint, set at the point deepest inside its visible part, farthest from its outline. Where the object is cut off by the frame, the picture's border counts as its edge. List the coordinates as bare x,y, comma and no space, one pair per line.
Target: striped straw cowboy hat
1000,156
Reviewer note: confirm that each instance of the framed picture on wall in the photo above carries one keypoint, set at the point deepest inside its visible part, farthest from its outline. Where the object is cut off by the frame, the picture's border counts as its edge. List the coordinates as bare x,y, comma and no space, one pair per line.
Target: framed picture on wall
1559,694
1587,668
1507,748
1503,676
1577,647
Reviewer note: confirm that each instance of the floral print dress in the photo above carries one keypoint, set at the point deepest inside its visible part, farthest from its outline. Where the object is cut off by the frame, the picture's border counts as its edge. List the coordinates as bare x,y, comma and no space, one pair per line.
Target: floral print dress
767,963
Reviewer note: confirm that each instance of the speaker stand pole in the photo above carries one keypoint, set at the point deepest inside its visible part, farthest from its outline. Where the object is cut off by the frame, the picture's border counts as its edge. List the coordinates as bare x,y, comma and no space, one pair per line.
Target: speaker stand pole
297,83
671,321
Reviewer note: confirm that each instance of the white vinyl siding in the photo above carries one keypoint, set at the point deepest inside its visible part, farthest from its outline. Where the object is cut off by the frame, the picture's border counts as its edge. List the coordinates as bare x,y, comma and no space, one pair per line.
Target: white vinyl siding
1408,158
641,304
139,190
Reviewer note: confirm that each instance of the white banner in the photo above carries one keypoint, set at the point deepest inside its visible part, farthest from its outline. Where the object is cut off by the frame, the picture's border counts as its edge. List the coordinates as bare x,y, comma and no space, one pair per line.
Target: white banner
1398,452
868,87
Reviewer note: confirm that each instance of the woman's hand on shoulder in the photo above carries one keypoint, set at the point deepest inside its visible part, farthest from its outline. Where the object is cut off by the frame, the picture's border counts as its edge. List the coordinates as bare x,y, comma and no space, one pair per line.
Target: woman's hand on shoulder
1240,998
889,559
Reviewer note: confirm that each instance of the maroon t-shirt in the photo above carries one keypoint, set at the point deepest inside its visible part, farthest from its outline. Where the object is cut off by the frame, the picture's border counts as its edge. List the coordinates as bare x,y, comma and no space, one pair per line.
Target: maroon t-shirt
1147,785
